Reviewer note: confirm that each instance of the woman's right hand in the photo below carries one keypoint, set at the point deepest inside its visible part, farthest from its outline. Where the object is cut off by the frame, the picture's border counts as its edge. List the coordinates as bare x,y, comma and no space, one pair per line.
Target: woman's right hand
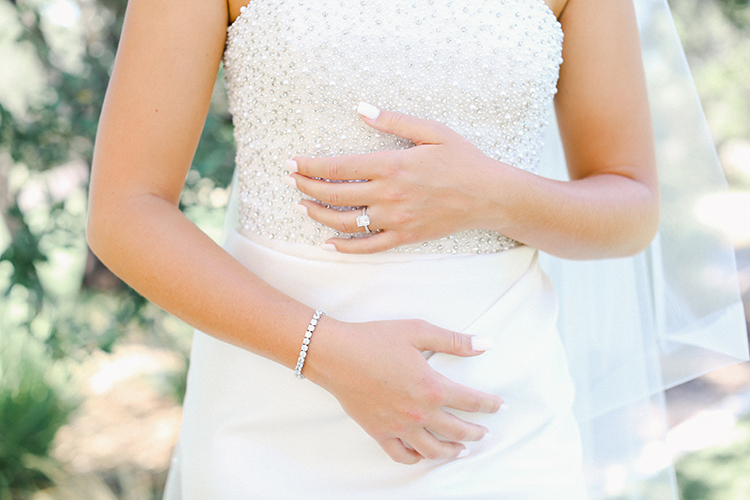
379,375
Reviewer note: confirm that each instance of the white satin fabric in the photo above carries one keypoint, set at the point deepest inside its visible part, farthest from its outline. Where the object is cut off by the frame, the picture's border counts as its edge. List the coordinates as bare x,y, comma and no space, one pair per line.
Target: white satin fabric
252,430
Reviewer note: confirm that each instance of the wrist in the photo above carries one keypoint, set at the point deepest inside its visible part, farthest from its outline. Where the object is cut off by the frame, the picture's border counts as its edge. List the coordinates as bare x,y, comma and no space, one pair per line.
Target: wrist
321,355
495,190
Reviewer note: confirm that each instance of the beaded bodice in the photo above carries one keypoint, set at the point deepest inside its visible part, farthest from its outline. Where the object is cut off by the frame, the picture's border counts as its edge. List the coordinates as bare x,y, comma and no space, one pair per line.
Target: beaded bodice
296,69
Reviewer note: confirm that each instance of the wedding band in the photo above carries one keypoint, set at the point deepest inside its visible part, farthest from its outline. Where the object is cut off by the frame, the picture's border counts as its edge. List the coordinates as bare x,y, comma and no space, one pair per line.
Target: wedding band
364,220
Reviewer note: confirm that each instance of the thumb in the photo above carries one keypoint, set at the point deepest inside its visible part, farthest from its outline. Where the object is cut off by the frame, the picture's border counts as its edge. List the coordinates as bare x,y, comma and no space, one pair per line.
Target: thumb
458,344
417,130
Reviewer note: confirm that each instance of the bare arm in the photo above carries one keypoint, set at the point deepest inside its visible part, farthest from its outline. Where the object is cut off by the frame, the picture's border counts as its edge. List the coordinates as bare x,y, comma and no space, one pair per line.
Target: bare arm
611,206
445,185
154,111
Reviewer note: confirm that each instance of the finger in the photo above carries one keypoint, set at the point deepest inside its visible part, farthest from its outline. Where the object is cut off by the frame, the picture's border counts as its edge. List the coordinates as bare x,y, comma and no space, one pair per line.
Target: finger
398,452
439,339
336,194
454,429
464,398
428,446
345,221
417,130
343,168
378,242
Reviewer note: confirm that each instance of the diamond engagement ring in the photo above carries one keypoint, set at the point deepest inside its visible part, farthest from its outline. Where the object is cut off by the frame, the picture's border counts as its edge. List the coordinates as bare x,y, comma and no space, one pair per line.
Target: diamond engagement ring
364,220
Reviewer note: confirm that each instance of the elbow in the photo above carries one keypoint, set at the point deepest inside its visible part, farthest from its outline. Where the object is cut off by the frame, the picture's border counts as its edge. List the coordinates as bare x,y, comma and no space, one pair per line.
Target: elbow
101,228
646,224
95,232
652,229
631,228
644,239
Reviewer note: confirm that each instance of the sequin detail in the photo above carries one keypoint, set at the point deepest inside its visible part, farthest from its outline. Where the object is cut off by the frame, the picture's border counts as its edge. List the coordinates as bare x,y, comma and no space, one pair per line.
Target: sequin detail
296,69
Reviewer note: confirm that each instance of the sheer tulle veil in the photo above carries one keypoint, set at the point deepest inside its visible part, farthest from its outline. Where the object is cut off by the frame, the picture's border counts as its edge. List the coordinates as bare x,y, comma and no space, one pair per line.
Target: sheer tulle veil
634,327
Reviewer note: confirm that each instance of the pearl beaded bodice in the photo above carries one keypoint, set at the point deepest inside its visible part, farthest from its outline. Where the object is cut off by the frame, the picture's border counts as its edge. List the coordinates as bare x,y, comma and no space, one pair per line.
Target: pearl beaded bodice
296,69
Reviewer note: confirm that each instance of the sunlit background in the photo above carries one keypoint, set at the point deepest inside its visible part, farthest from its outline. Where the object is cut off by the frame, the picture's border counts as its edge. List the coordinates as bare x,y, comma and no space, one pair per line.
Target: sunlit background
92,375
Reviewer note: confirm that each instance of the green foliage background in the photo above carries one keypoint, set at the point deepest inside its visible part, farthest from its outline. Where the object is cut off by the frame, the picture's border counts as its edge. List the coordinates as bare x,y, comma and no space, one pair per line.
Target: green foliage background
59,303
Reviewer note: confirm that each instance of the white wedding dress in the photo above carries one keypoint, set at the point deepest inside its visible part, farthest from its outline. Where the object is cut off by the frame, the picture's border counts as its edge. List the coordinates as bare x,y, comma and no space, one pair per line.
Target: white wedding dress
295,71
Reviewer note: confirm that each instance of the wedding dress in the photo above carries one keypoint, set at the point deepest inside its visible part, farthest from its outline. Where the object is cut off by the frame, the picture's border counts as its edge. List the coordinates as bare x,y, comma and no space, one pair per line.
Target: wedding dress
295,71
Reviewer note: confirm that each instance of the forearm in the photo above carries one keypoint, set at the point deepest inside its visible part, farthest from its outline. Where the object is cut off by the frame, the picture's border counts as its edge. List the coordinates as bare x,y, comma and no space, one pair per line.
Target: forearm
152,246
600,216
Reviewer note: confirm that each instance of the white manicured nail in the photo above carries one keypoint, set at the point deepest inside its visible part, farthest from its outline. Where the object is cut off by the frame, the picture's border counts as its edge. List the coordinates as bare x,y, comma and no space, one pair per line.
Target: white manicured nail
482,343
290,166
290,180
503,407
328,247
463,453
299,207
487,436
368,110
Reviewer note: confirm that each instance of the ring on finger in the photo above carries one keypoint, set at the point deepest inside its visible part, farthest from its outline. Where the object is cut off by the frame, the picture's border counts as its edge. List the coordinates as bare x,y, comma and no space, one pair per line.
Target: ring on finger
364,220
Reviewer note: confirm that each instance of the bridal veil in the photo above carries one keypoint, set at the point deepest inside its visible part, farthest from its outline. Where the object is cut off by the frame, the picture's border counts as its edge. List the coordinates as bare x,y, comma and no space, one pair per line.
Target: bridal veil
636,326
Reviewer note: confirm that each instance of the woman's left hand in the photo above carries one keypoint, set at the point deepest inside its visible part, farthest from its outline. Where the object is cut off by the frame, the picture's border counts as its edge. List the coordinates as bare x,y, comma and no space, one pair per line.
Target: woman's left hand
412,195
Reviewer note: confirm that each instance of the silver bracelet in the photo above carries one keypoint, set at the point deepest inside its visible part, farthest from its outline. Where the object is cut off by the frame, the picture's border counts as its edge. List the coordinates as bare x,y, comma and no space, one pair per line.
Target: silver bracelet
306,343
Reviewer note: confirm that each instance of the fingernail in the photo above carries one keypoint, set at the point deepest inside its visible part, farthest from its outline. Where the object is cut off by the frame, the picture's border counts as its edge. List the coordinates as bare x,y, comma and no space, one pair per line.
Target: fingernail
299,207
328,247
290,166
290,180
487,436
368,110
482,342
503,408
463,453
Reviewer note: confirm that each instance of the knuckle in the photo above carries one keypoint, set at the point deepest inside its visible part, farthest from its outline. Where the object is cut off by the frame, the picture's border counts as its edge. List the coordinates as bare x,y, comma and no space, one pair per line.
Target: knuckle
392,166
402,218
380,436
331,197
396,119
435,394
419,326
333,170
433,454
476,404
347,226
395,428
461,435
416,416
457,341
395,195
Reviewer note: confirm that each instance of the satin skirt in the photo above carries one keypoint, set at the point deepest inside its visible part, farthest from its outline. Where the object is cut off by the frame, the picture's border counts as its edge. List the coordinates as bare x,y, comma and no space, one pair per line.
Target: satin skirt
252,430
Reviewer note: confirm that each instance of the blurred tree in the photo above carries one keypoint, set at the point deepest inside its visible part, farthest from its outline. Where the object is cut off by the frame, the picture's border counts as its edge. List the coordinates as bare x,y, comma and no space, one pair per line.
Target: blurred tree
738,11
715,34
42,144
55,130
59,127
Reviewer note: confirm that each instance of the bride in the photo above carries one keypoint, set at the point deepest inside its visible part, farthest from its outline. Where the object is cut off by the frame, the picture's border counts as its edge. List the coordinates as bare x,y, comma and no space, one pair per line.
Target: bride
386,247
